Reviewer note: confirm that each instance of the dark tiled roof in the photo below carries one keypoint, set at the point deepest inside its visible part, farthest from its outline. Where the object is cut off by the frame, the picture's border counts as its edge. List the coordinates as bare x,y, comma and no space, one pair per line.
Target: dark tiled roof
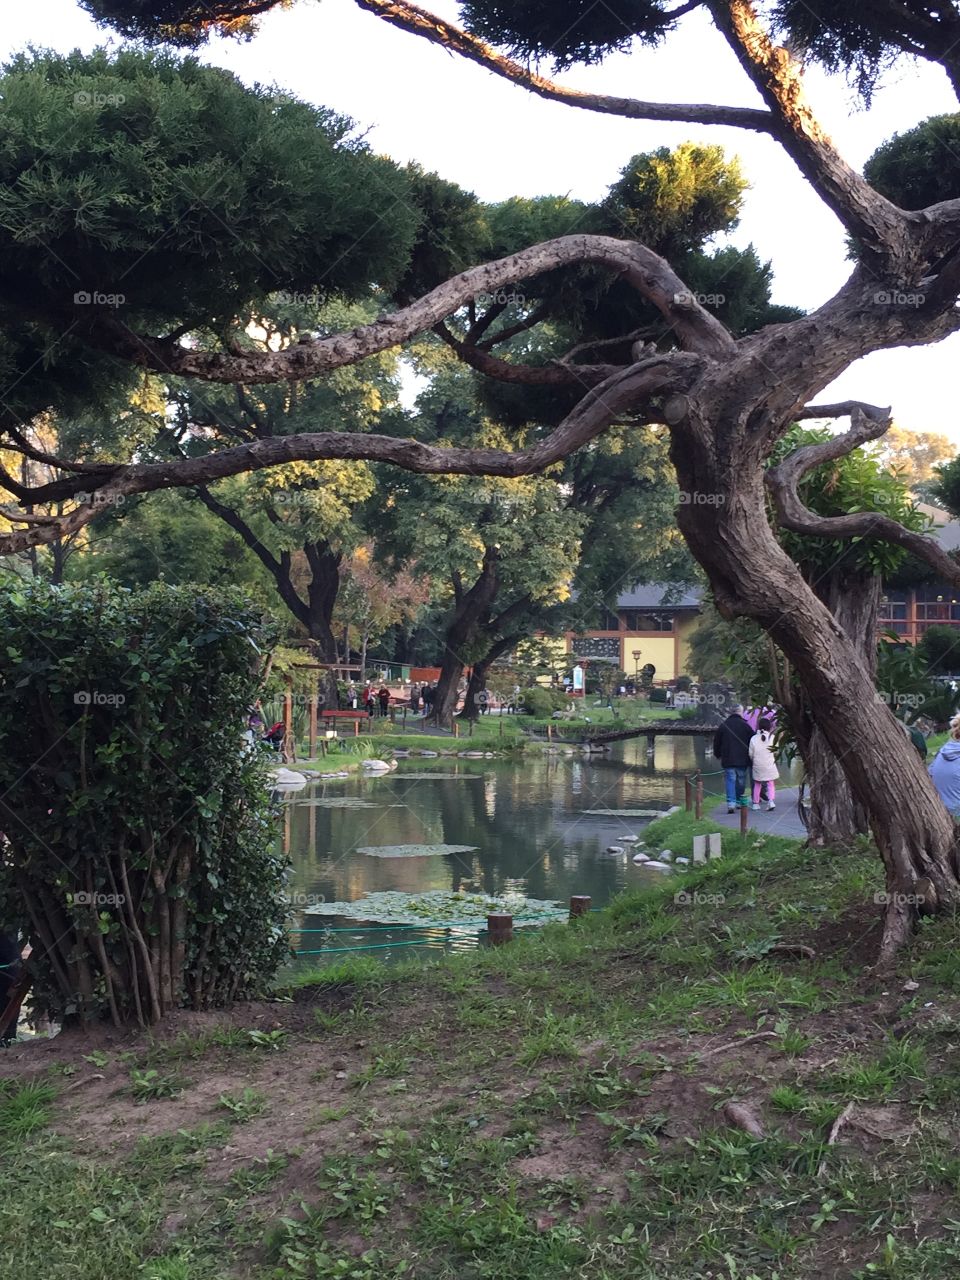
661,595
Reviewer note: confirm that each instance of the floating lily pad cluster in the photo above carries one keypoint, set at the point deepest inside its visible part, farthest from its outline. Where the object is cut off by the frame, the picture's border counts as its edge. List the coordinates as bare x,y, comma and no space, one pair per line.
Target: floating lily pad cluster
440,907
415,850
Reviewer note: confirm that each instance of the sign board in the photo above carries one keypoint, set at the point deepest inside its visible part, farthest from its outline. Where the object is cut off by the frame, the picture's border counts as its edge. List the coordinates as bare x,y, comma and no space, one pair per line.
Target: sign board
578,679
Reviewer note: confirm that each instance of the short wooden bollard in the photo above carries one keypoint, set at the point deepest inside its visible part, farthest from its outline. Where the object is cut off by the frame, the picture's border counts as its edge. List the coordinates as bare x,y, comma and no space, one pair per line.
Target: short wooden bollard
699,804
499,928
456,728
744,819
579,905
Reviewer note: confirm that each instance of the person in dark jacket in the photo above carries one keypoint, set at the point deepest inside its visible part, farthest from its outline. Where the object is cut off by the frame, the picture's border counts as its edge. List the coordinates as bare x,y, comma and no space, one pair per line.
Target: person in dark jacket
731,746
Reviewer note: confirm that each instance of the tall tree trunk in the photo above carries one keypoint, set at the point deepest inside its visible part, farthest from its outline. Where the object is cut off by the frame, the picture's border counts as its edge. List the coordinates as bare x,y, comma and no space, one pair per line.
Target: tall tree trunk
752,576
478,675
472,607
321,599
835,816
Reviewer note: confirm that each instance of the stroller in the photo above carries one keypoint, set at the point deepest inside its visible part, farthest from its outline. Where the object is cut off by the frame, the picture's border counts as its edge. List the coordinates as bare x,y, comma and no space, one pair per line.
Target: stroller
274,736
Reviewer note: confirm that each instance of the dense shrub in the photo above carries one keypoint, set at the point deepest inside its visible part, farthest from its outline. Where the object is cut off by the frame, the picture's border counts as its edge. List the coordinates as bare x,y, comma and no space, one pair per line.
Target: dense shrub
139,855
542,702
658,695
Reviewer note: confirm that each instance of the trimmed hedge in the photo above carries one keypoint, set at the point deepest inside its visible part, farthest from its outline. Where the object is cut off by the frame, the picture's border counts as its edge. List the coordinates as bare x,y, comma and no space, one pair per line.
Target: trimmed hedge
140,852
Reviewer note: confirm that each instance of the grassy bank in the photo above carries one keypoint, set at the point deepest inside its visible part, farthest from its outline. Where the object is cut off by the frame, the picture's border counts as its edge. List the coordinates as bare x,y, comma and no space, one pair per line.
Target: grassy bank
656,1091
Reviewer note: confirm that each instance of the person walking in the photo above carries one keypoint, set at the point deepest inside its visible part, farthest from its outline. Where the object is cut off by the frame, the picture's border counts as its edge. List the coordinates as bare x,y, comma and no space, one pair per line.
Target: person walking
945,770
414,698
731,746
763,764
383,697
369,701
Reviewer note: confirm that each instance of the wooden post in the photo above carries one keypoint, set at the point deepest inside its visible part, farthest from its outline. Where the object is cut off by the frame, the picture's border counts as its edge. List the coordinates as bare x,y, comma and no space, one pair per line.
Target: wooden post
699,797
313,726
579,905
500,928
687,795
404,730
289,746
549,732
744,819
456,728
356,728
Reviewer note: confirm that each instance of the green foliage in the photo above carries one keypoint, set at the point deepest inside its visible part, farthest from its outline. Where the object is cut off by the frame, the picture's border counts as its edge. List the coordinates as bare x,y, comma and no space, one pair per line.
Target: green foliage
157,189
135,812
919,167
658,695
563,30
856,482
939,650
541,702
946,486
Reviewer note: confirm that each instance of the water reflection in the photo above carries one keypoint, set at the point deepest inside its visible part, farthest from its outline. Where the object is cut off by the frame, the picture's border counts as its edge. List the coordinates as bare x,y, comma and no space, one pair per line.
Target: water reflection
528,820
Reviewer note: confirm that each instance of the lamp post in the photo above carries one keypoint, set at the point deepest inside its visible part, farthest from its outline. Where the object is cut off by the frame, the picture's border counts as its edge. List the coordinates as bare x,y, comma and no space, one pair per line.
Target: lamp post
637,655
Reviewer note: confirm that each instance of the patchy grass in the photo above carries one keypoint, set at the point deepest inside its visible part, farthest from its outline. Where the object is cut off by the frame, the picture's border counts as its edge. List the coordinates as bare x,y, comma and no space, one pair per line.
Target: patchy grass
564,1106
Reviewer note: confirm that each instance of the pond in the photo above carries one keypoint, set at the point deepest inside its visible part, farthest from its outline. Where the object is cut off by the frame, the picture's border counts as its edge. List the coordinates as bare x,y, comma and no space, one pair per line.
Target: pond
527,827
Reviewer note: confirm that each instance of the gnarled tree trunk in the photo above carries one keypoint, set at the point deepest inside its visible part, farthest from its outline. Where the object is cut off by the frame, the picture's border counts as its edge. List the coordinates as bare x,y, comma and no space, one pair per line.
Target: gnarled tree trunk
835,816
752,576
471,607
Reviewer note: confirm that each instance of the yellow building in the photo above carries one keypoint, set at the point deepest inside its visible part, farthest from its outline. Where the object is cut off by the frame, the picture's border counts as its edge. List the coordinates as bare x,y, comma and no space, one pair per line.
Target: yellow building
651,624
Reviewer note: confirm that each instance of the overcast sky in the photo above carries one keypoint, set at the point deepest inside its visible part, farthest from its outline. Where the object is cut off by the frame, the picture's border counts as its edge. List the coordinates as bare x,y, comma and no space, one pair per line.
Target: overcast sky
419,103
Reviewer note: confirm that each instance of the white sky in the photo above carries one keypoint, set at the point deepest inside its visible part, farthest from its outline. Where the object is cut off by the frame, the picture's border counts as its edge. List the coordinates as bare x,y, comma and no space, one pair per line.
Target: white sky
420,103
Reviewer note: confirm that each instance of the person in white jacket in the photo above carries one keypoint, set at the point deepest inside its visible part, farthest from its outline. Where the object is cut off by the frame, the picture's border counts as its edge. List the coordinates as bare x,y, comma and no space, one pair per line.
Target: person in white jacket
763,764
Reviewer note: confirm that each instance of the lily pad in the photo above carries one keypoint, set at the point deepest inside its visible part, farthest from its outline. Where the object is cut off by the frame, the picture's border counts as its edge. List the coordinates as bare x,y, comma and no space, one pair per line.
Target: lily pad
415,850
439,908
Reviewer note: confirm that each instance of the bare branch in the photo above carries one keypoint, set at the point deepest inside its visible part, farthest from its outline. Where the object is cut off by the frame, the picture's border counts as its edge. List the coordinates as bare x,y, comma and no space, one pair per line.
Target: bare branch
625,390
867,423
409,17
695,328
872,219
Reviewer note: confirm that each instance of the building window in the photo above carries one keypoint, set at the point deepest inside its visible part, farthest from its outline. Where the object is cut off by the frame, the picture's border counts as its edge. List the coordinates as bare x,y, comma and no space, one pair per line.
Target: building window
636,621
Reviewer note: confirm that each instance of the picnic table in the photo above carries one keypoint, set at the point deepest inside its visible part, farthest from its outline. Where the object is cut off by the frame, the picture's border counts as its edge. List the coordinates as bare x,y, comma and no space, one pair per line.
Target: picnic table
332,719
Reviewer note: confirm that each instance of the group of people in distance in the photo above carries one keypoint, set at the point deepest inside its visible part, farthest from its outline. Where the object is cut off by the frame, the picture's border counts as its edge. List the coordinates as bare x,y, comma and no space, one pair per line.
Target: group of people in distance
740,745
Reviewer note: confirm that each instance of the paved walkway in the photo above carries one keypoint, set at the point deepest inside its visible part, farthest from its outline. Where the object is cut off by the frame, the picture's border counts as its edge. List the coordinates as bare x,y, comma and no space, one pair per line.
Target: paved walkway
784,821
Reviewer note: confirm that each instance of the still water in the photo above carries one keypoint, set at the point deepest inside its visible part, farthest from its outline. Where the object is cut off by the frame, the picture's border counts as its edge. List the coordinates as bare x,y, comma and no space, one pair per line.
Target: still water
528,819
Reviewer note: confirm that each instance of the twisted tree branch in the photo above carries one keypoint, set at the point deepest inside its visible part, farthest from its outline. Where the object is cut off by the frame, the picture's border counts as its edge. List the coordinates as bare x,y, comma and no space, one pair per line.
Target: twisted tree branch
696,329
626,389
867,422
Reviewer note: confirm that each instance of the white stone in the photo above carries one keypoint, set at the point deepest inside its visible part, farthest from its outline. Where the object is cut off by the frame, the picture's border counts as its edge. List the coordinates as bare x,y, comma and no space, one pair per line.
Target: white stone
715,844
375,766
681,862
640,857
658,866
665,855
628,839
614,848
699,849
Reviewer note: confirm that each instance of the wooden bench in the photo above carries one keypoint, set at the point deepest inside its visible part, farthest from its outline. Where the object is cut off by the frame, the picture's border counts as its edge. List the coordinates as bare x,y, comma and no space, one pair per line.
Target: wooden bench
331,719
